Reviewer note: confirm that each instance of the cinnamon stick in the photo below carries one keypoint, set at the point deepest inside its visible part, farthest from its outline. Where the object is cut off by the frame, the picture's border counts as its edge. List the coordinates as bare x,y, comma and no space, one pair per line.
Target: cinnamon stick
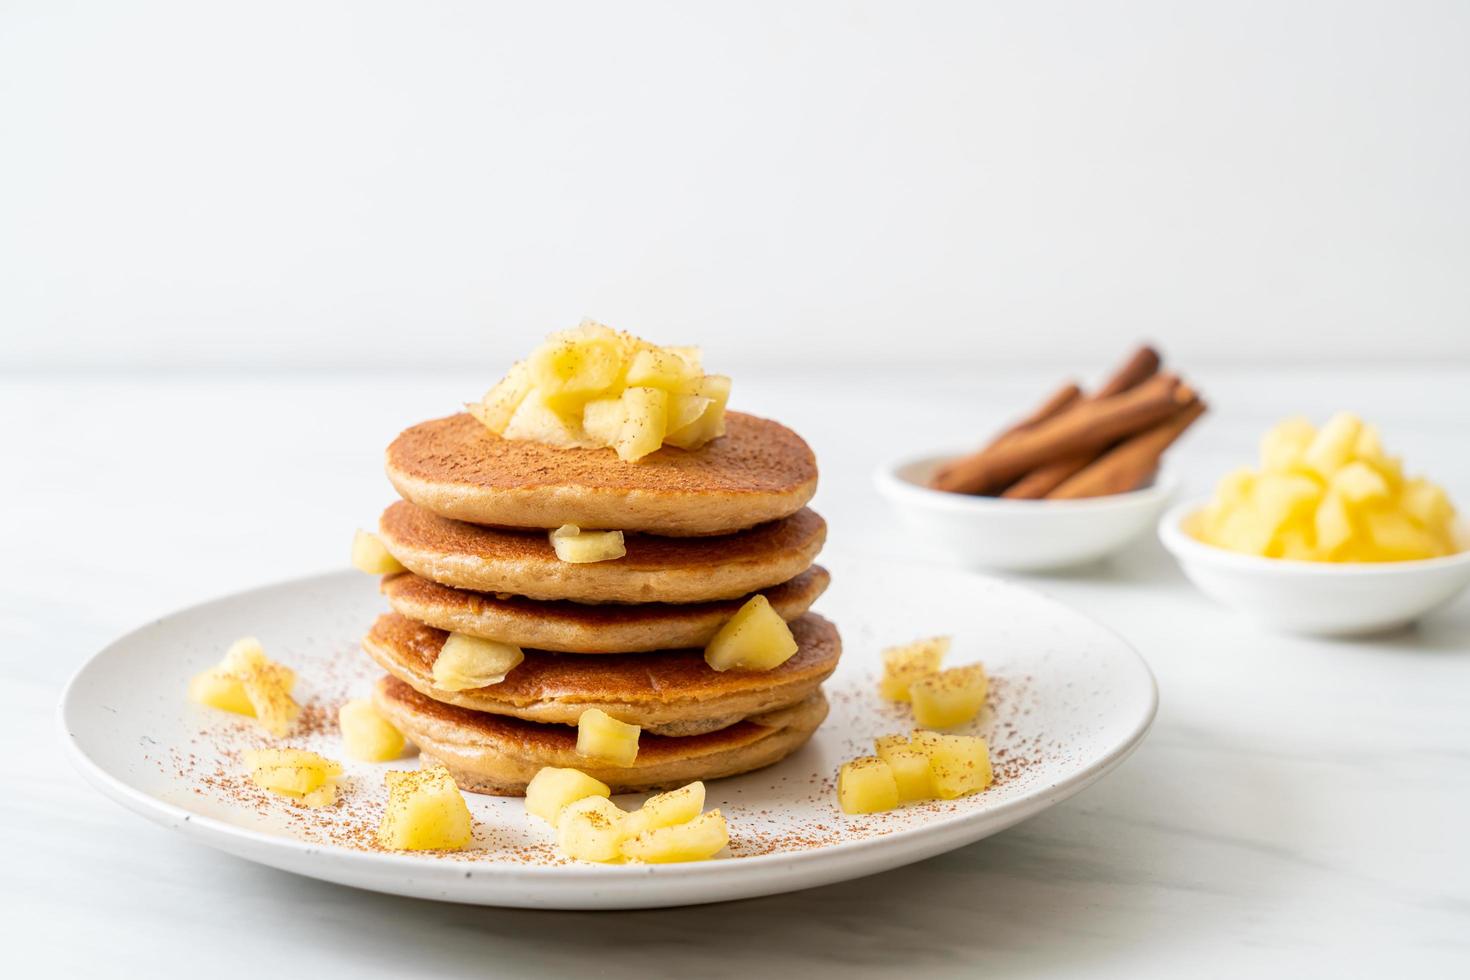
1143,364
1126,466
1087,426
1059,400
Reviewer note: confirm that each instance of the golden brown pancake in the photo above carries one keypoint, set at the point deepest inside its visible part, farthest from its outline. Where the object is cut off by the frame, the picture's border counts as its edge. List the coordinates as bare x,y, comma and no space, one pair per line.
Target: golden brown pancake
655,569
498,755
670,693
580,627
757,471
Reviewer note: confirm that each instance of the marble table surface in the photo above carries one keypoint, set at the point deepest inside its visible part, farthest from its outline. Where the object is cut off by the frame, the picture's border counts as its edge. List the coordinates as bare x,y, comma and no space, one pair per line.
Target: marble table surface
1299,810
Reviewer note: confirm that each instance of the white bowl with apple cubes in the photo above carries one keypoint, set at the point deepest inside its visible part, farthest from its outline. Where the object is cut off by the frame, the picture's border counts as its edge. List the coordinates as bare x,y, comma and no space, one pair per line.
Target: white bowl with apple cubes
1071,483
1328,536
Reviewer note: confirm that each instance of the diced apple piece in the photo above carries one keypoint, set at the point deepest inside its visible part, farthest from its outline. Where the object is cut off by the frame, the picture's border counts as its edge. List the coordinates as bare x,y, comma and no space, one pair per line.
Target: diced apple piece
1243,530
366,734
573,367
645,423
698,840
1428,505
1358,483
1369,446
902,665
1332,448
425,812
692,356
304,777
500,403
666,809
866,785
1296,541
1396,538
755,638
1284,445
269,695
1280,498
912,774
591,829
469,662
960,763
535,421
223,686
217,688
370,555
579,547
710,423
684,411
910,767
660,368
949,698
602,737
1333,524
602,419
552,789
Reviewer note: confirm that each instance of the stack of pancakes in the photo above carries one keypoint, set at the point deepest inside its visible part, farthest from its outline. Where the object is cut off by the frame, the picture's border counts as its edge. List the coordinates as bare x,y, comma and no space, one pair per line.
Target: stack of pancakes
704,531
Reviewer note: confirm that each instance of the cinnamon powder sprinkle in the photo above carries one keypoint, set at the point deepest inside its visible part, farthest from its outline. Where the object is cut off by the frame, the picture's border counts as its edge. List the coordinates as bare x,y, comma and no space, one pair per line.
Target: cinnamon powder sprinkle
211,770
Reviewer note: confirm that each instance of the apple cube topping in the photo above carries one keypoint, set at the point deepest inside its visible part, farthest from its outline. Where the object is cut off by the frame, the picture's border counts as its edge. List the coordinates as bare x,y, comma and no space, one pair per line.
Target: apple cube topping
755,638
466,663
425,812
578,547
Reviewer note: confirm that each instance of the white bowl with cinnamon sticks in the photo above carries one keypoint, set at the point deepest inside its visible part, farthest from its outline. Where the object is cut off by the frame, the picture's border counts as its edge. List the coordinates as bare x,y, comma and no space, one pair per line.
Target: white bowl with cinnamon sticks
1074,481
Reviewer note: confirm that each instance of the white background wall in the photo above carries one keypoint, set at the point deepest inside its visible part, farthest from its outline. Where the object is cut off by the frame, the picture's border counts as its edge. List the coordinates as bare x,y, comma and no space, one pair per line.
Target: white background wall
365,183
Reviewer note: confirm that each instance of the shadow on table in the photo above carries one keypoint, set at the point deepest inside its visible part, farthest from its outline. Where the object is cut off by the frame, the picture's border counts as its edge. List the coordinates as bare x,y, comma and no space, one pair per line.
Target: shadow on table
1093,880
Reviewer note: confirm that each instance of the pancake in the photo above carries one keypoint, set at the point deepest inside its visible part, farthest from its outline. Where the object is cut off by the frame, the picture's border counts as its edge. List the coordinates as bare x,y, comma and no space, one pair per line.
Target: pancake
498,755
655,569
757,471
579,627
670,693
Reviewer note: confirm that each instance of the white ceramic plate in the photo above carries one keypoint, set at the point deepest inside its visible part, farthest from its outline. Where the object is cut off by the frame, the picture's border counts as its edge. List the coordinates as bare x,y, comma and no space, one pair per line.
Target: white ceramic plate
1069,701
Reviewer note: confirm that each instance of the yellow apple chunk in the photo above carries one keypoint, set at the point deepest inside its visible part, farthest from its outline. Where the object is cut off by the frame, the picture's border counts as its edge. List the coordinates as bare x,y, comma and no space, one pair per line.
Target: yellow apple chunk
223,686
910,767
371,556
552,789
1333,445
698,840
469,662
755,638
425,812
709,424
645,422
602,737
866,785
576,546
902,665
591,829
575,366
495,410
912,774
960,763
366,734
949,698
1283,447
666,809
662,368
303,777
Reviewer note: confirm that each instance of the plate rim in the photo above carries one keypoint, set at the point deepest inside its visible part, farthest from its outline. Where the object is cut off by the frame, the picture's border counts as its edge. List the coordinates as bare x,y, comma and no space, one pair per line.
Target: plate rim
915,843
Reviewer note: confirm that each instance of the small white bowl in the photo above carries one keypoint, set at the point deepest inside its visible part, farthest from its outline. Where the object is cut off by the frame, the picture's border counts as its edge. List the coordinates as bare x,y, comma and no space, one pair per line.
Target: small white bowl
1018,535
1321,598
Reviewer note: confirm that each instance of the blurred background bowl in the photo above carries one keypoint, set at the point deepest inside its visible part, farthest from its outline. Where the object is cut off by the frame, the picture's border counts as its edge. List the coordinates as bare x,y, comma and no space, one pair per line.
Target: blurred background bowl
1322,598
1018,535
